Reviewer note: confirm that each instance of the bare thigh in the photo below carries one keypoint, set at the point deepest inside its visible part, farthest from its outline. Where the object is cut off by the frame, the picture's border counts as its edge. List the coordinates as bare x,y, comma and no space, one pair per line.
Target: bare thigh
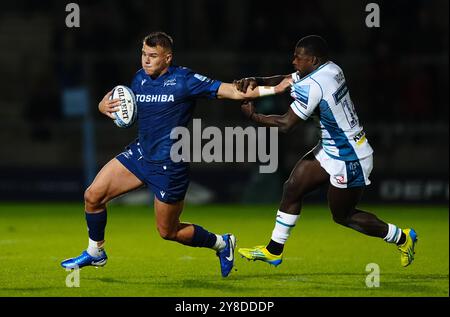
306,176
113,180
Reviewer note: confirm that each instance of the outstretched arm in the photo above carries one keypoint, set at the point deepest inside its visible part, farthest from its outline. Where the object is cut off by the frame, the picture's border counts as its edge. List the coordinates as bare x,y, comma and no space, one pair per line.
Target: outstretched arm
231,91
285,122
253,82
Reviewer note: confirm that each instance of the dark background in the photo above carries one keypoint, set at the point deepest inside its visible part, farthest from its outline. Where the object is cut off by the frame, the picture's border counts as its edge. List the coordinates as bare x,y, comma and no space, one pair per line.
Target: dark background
397,75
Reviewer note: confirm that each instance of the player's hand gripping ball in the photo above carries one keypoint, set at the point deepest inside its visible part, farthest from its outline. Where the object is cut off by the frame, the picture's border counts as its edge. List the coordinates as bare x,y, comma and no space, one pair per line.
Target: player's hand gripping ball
126,115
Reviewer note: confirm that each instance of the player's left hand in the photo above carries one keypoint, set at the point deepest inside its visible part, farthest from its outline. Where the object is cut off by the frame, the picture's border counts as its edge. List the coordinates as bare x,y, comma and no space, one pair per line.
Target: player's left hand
243,84
248,108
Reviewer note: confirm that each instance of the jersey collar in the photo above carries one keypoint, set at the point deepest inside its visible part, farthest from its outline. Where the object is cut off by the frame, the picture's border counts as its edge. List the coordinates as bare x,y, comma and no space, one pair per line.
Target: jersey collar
315,71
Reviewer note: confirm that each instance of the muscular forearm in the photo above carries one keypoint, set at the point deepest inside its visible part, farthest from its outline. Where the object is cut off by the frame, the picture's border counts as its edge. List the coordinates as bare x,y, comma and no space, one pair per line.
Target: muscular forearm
229,91
285,122
251,87
270,81
271,121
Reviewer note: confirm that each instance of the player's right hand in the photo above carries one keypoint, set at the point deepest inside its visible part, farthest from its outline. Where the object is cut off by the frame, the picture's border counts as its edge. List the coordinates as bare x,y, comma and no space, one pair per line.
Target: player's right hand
248,108
108,106
243,84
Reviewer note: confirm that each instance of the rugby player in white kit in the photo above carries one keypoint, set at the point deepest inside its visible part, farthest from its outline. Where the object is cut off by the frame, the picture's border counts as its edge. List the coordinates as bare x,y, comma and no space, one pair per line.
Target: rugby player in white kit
343,157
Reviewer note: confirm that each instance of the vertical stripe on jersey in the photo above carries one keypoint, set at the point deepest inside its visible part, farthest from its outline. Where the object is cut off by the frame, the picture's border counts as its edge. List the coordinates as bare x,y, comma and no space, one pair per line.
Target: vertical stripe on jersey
346,151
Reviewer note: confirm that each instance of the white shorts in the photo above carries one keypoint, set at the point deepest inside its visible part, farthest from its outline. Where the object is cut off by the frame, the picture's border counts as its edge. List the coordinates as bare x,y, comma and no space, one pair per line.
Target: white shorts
345,174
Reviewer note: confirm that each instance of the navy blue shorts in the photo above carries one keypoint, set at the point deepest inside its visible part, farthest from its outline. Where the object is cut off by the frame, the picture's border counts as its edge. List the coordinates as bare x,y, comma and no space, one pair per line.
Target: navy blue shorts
169,181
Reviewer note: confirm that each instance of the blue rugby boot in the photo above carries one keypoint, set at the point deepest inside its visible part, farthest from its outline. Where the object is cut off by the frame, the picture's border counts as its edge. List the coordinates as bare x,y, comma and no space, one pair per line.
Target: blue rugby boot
85,259
226,256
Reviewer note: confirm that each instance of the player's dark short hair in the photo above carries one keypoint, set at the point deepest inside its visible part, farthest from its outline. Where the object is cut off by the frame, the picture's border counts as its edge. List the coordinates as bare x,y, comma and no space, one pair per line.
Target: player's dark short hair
314,45
159,38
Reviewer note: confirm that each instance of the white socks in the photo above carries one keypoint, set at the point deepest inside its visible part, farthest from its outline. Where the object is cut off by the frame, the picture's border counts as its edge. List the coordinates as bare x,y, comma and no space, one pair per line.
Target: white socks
394,234
93,248
283,226
220,243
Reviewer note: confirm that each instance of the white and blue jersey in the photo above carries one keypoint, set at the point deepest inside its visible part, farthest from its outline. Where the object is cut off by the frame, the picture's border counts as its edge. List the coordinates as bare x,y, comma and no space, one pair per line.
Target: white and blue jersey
324,96
163,104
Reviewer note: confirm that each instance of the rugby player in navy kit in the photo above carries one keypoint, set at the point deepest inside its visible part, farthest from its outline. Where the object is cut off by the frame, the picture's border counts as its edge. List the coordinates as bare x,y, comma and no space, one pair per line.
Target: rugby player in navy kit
165,96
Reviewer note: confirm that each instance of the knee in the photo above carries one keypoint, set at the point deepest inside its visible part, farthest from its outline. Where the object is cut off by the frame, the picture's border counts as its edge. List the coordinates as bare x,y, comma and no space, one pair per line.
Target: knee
344,221
341,216
93,198
167,234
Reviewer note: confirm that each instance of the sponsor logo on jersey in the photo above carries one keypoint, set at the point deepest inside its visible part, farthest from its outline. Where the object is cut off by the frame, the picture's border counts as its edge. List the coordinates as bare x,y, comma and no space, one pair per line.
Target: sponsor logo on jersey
155,98
360,138
339,78
340,93
202,78
170,82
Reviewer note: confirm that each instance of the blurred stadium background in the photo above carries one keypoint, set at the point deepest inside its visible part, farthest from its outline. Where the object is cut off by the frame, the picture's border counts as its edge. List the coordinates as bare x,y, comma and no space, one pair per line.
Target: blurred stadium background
397,75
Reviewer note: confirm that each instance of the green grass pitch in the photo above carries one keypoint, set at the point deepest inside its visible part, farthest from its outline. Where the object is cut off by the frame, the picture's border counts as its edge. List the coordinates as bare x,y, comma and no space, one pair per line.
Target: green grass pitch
321,258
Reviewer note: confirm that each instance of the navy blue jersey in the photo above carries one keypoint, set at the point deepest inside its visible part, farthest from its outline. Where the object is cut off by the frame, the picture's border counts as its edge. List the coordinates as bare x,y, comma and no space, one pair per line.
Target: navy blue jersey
165,103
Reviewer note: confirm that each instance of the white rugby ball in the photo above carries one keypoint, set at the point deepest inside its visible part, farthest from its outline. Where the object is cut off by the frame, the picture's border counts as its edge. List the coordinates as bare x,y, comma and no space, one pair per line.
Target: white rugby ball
126,115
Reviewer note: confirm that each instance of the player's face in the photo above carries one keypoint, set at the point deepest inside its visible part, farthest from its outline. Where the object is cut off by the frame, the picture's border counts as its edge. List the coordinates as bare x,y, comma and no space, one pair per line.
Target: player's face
155,60
303,63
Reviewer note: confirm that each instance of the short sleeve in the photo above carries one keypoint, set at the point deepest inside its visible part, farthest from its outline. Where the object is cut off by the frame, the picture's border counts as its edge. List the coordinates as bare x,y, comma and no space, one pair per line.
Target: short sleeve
201,86
307,95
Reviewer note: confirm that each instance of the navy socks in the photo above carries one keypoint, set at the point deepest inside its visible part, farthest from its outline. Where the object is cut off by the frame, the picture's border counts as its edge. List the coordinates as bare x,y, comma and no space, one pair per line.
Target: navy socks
203,238
96,225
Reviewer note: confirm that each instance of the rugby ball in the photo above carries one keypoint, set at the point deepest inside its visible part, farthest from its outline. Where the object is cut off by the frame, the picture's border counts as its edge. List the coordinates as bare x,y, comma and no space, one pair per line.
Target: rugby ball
126,115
